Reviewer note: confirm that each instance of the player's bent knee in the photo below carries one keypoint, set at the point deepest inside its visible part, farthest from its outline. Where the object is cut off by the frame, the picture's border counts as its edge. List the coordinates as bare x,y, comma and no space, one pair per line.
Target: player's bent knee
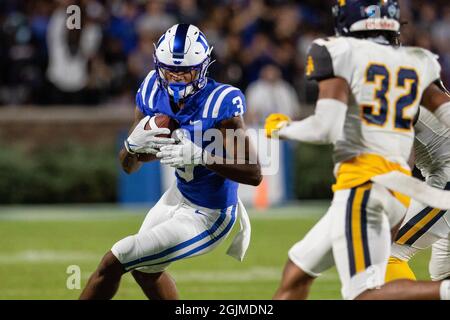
143,276
440,276
295,277
439,266
295,283
364,283
125,249
110,266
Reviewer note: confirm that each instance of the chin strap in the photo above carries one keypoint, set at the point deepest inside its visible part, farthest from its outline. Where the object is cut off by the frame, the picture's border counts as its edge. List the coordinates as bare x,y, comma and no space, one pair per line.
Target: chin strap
176,88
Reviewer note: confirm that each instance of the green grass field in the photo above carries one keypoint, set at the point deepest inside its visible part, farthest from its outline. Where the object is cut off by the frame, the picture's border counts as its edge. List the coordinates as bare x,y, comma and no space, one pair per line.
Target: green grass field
39,243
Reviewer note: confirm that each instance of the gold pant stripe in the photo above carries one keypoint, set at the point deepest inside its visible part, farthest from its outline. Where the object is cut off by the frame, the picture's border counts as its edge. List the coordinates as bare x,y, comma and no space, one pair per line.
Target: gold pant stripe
357,228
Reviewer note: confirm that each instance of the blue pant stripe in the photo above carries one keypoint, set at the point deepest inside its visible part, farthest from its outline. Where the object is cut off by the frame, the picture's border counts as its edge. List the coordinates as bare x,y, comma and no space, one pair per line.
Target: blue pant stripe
203,246
182,245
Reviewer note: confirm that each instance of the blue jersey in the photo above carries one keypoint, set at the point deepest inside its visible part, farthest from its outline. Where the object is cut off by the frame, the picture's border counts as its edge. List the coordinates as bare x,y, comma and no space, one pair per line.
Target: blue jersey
211,105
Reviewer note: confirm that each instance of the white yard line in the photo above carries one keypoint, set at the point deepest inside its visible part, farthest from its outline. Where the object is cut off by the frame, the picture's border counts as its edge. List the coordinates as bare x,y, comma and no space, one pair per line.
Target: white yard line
226,276
86,213
221,275
47,256
65,216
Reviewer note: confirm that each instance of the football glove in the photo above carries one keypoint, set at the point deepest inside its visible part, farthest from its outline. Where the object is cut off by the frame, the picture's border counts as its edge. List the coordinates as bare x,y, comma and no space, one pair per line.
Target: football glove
185,153
275,122
146,141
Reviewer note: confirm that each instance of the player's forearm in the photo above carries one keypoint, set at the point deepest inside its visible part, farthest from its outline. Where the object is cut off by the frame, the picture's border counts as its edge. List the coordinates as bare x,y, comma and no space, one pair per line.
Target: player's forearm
128,161
309,130
324,127
242,173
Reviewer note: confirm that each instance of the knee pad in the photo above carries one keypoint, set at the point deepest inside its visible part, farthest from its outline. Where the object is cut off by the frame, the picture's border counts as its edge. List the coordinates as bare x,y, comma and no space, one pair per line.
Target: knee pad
124,248
439,266
371,278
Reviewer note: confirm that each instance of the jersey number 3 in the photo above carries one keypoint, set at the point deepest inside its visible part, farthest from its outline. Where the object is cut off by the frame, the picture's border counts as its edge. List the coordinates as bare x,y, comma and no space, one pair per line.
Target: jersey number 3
379,74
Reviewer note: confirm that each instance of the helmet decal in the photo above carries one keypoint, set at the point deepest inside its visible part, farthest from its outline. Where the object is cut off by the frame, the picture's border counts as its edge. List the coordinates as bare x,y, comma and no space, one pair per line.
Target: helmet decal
394,12
373,11
202,39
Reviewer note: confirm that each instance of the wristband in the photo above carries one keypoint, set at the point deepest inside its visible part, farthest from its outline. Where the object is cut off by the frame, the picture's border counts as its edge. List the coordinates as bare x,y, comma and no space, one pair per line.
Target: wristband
127,147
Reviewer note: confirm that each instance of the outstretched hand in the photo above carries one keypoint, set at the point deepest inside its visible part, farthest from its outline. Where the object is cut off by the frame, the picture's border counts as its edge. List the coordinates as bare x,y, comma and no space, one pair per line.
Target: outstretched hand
275,122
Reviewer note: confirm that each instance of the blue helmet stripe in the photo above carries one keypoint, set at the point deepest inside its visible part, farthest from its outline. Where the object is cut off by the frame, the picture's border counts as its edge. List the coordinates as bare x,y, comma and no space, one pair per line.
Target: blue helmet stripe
201,38
161,40
180,41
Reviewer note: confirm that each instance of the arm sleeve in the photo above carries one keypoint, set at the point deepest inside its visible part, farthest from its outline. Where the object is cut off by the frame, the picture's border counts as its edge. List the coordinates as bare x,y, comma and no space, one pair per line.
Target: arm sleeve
324,127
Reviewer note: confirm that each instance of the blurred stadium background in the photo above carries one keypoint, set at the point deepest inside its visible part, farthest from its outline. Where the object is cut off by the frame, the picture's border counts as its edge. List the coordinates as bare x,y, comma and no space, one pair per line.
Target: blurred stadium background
66,103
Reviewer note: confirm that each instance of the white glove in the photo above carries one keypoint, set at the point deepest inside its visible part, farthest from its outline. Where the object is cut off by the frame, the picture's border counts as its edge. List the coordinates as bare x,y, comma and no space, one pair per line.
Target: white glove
145,141
183,154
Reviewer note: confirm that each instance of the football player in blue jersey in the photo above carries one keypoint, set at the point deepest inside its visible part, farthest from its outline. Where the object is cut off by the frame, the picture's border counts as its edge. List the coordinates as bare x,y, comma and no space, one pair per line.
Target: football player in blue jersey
198,211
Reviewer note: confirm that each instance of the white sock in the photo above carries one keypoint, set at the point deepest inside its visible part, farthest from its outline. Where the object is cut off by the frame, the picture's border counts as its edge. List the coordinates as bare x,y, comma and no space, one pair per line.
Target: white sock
445,290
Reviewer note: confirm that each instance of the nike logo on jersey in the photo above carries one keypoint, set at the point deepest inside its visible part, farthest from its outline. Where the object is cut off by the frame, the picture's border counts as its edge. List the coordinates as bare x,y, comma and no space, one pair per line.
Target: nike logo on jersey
197,211
194,122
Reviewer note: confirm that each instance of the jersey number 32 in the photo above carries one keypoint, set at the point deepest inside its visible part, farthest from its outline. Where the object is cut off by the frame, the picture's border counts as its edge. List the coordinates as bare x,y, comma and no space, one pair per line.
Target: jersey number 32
379,114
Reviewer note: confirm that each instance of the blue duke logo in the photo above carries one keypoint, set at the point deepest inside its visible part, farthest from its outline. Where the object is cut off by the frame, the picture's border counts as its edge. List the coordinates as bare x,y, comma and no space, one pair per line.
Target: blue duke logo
373,11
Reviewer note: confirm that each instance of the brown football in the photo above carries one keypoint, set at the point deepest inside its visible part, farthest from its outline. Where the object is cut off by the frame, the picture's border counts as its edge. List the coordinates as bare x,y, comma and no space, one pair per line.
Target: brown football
161,121
158,121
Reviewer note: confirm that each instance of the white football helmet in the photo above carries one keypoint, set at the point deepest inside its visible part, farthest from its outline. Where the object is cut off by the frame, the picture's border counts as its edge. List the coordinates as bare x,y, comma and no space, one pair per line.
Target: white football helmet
182,48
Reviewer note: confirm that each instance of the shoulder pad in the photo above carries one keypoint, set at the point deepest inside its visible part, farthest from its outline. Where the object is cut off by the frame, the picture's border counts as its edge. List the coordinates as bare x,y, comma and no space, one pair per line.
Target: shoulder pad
329,58
319,65
146,93
430,60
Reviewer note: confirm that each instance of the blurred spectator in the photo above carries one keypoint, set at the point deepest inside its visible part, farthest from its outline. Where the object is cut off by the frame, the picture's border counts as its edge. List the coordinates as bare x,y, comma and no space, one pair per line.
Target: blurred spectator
257,55
105,61
122,24
229,64
155,21
140,62
20,59
427,16
441,31
69,54
270,94
188,12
